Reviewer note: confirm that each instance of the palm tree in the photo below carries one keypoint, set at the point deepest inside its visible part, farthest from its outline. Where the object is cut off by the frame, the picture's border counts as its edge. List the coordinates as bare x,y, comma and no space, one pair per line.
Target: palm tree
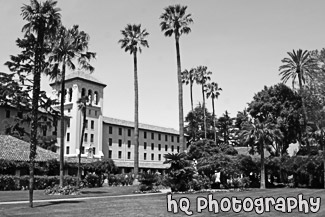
213,91
188,77
69,45
176,21
82,106
202,76
42,19
262,134
300,64
133,39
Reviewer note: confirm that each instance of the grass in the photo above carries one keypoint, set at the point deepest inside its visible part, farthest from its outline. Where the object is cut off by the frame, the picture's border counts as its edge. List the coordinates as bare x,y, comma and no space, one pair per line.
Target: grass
148,205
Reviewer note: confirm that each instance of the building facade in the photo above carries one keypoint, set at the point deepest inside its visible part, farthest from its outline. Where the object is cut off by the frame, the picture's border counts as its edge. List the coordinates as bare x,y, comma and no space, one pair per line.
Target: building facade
107,137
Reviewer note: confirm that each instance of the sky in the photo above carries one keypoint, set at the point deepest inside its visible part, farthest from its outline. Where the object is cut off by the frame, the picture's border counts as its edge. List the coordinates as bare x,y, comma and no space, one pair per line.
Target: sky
241,42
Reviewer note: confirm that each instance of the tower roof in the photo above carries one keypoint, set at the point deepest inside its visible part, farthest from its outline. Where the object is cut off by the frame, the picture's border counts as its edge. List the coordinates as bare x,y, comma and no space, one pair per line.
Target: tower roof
81,76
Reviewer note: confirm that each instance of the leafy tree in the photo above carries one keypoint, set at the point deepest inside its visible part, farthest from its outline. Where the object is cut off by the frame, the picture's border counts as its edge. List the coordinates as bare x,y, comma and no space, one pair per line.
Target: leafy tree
42,22
82,106
282,106
188,77
202,76
195,127
226,129
261,134
175,21
213,91
69,45
300,64
134,38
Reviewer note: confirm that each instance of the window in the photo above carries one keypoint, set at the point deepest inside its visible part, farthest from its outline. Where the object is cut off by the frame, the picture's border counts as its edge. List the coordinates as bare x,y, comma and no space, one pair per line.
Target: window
110,130
89,112
177,139
82,150
7,113
166,138
144,156
20,114
94,150
172,148
152,156
159,157
120,131
68,150
68,122
96,113
172,138
166,147
129,132
129,155
159,147
86,137
159,136
44,131
145,135
110,141
152,146
70,94
178,149
86,124
91,137
145,145
129,143
110,154
152,136
92,125
120,143
120,154
68,137
69,110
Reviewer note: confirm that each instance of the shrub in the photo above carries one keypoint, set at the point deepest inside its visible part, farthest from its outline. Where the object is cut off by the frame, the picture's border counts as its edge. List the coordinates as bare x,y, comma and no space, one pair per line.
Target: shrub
147,181
7,183
92,180
66,190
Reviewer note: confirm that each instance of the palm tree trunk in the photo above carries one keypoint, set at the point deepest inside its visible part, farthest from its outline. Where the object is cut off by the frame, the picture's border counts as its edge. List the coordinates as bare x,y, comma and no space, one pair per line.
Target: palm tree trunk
62,124
81,141
262,166
304,110
204,118
191,91
214,121
180,95
136,117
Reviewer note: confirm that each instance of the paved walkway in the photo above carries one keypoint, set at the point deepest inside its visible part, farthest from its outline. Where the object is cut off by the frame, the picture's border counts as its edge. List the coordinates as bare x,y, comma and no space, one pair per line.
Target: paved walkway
79,198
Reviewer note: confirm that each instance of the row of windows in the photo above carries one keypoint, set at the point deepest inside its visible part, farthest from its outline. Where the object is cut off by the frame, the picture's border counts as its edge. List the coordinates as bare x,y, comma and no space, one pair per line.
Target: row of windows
110,143
129,155
85,137
82,150
89,112
110,131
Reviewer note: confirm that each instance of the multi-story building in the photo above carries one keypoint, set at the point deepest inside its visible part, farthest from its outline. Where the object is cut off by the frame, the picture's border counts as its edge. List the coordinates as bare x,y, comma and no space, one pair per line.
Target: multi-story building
107,137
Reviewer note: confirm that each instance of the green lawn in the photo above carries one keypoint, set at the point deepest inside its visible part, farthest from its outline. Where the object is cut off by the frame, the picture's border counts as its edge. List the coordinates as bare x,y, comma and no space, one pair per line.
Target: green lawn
149,205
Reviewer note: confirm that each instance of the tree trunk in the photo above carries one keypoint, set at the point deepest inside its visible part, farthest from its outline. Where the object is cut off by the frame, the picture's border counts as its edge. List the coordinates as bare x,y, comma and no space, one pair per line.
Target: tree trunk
136,117
204,116
214,121
62,124
262,166
180,95
324,162
191,91
81,141
304,111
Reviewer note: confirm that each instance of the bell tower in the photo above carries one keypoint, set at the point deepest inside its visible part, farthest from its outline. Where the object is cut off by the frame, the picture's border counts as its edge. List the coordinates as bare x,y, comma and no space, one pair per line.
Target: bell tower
79,84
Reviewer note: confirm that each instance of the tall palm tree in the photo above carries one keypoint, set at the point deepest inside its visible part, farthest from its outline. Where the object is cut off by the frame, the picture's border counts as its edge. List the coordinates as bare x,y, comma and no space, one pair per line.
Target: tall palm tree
42,18
188,77
176,21
202,76
133,39
82,106
261,134
300,64
213,91
69,45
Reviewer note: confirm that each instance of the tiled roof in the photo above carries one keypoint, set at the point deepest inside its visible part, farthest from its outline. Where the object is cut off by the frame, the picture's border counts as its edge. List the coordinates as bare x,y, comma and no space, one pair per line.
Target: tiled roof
119,122
15,149
83,76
